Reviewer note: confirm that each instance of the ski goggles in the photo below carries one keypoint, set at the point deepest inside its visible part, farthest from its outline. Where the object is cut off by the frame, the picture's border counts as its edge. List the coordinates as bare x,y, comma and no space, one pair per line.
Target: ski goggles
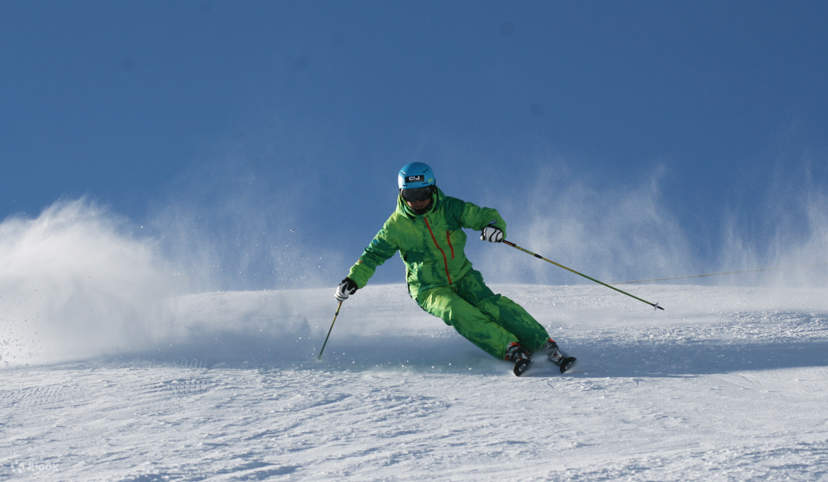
417,194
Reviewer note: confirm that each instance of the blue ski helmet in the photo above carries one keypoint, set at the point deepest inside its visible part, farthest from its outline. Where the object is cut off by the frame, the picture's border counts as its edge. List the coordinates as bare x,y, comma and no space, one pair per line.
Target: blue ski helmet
414,175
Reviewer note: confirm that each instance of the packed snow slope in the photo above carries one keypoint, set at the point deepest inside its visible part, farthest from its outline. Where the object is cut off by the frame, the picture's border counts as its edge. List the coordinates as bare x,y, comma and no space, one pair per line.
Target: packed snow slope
727,383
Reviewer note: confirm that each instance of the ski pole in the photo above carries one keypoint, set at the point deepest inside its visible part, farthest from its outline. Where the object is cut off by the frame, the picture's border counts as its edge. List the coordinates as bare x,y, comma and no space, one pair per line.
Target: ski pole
319,357
654,305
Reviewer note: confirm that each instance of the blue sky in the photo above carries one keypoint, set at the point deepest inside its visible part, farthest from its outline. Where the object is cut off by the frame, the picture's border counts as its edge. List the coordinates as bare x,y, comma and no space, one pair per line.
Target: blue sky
282,124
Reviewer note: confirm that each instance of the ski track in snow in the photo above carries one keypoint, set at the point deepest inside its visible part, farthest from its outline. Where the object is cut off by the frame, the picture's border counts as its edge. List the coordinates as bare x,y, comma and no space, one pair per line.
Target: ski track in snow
730,383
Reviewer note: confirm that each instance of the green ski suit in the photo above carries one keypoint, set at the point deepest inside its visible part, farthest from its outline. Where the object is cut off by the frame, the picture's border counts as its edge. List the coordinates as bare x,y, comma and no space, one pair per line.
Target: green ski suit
441,279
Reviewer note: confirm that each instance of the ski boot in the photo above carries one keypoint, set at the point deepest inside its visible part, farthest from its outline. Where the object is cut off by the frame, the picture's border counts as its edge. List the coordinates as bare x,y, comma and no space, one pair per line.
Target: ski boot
556,356
521,358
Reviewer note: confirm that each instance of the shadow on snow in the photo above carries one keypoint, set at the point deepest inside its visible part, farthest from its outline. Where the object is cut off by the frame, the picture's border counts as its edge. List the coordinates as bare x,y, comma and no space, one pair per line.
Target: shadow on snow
452,354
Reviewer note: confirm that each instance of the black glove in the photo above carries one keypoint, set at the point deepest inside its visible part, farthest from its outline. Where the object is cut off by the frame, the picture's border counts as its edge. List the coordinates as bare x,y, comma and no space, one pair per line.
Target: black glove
346,288
491,233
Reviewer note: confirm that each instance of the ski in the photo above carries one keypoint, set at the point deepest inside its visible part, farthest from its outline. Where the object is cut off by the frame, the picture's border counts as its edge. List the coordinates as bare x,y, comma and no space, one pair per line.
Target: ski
523,362
523,359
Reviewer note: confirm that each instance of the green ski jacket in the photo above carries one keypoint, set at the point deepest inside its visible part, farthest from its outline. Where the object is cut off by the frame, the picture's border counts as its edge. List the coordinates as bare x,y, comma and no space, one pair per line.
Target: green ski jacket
431,244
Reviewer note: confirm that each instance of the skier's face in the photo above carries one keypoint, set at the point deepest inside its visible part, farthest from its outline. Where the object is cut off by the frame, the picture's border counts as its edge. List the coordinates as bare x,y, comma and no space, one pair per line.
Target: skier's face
418,199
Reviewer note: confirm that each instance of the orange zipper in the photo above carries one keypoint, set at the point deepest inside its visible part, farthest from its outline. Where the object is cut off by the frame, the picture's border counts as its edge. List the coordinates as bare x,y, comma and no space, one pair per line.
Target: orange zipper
445,260
448,238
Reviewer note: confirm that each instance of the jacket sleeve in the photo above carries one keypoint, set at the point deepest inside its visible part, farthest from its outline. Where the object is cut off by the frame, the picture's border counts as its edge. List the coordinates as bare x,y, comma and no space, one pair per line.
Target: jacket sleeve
476,217
378,252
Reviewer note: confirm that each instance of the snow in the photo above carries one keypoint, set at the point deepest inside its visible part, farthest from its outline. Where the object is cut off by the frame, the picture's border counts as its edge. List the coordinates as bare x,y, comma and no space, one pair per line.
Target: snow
729,382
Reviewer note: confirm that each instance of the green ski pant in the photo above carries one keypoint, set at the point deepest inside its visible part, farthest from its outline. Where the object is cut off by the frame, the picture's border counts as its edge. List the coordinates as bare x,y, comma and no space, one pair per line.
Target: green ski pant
490,321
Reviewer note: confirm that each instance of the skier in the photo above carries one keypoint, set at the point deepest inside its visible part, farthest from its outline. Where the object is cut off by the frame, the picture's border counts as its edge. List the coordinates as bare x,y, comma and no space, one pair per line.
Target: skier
427,229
